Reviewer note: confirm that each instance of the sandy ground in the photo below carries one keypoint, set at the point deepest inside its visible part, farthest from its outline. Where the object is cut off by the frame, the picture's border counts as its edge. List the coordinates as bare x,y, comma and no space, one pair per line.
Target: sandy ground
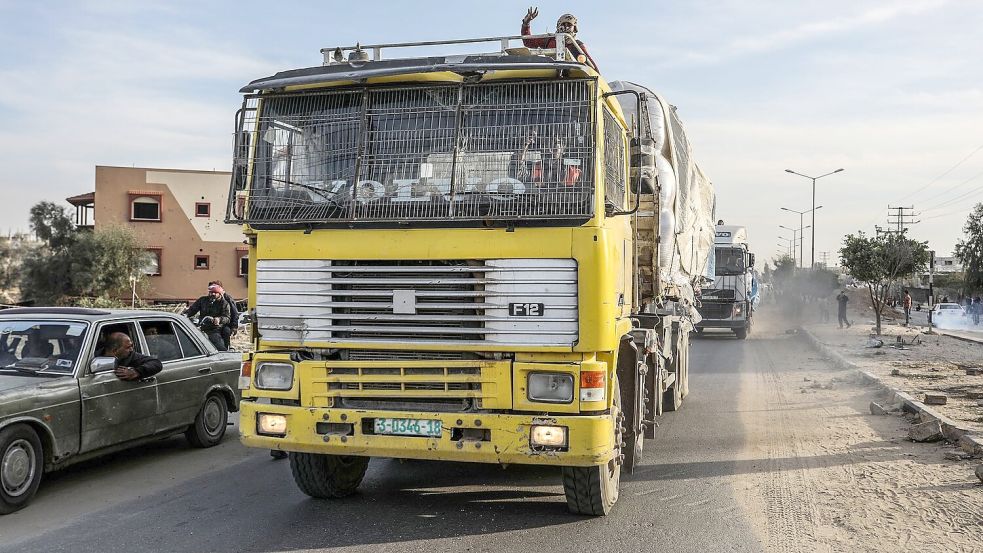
932,364
837,478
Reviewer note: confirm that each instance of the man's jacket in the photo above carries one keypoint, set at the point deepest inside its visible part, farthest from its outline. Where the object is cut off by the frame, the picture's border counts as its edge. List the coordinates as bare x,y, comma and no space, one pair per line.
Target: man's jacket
146,365
205,306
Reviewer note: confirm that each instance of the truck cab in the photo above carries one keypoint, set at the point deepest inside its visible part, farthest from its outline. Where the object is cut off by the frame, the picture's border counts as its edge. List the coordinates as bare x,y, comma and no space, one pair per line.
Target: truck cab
729,302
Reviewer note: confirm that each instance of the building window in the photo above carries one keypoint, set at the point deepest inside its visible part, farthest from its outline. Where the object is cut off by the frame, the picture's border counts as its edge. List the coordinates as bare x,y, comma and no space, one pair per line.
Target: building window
203,209
152,265
144,208
201,262
243,265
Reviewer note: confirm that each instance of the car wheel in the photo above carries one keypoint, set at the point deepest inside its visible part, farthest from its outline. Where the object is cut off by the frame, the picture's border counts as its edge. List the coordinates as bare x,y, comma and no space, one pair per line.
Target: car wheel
209,426
21,466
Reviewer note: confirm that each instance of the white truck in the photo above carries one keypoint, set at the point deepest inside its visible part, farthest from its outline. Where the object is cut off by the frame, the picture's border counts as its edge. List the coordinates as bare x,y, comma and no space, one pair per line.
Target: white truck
729,303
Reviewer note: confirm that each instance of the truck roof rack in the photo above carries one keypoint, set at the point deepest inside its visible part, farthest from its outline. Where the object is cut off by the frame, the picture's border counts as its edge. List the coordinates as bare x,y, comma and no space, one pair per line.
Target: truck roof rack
359,53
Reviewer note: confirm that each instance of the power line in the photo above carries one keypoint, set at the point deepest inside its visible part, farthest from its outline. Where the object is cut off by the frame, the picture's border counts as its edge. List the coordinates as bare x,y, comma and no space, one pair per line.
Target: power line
950,201
946,172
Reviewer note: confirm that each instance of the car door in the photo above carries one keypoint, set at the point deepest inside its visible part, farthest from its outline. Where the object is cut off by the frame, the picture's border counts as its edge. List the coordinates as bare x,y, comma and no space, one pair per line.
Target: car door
115,411
180,384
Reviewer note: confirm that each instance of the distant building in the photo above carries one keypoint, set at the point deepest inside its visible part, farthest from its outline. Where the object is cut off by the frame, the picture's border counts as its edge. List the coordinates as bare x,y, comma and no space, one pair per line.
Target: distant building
948,265
179,217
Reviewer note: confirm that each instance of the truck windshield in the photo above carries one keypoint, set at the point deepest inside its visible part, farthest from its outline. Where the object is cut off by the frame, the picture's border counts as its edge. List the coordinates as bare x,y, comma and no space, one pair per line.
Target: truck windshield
518,150
729,261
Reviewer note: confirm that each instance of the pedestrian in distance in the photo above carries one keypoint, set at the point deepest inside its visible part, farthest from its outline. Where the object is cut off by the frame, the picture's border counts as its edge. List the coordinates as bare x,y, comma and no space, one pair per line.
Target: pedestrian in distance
977,310
907,307
213,313
130,365
842,299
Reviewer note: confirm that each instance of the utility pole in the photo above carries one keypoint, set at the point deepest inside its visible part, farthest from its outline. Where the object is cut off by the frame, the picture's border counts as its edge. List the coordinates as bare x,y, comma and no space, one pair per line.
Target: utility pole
901,218
825,259
931,287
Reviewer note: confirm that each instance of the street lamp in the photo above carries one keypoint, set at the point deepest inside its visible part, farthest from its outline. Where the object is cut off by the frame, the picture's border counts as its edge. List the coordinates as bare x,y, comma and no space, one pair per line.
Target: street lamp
814,179
801,228
790,244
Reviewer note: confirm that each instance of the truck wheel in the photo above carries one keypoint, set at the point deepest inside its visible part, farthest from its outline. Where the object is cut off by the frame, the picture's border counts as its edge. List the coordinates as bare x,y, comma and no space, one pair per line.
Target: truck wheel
684,387
593,491
21,466
673,397
327,476
741,333
210,423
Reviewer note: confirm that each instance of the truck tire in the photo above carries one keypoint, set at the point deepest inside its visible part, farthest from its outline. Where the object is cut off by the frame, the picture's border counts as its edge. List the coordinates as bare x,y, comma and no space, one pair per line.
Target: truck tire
327,476
741,333
21,466
593,491
684,388
673,396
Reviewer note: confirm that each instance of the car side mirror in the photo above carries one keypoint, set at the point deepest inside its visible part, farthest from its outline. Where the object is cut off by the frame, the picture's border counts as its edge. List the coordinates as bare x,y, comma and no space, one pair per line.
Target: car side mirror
102,364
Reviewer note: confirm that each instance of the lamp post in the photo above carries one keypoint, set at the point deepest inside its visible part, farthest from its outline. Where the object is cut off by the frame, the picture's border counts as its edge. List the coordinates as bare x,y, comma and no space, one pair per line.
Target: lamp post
801,228
790,245
814,179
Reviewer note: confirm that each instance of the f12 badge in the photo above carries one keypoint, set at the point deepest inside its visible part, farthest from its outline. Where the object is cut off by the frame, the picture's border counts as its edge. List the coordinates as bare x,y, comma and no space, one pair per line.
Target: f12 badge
526,309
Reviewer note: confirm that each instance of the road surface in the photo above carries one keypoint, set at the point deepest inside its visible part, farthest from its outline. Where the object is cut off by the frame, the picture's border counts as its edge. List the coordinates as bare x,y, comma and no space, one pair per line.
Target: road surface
772,451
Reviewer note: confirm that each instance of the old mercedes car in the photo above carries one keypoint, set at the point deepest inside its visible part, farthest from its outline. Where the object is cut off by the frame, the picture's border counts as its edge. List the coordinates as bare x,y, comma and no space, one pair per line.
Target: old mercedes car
61,402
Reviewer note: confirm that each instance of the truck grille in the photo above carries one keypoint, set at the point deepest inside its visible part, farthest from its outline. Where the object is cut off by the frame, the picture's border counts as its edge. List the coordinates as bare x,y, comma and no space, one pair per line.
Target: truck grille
433,302
409,385
710,310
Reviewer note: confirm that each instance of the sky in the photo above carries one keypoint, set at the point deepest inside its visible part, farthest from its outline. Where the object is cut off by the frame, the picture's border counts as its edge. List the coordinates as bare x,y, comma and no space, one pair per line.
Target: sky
892,92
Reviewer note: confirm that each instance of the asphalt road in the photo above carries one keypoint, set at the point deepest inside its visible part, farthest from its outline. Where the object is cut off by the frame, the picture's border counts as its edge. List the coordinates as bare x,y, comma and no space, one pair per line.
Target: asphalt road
169,497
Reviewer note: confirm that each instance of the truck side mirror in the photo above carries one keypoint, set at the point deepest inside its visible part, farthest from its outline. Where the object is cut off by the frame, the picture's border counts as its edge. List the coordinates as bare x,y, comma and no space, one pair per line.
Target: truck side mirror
643,172
750,261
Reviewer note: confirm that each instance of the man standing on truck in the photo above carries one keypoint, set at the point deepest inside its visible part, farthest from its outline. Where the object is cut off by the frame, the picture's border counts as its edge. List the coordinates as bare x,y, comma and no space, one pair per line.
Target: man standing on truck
567,23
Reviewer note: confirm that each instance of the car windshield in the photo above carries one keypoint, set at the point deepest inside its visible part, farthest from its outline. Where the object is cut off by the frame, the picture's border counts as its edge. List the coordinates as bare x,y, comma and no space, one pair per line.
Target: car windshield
729,261
36,346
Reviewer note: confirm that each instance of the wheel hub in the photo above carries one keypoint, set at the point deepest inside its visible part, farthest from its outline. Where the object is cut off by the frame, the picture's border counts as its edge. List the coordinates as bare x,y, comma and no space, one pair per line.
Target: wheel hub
17,468
213,417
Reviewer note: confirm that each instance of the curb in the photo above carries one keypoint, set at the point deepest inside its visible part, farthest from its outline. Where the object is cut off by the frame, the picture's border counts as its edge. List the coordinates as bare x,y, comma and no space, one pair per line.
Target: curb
969,442
957,337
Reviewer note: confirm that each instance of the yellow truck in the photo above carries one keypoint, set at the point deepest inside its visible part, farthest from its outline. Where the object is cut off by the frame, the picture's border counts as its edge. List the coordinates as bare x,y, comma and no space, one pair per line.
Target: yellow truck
458,257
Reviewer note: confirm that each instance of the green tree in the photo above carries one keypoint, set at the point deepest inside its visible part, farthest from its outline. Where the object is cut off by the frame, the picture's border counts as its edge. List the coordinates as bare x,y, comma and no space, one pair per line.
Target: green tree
970,251
52,225
69,264
880,261
784,268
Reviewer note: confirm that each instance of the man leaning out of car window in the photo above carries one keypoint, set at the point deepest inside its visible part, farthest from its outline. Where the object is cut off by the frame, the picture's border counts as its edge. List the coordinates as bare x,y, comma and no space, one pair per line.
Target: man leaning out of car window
130,365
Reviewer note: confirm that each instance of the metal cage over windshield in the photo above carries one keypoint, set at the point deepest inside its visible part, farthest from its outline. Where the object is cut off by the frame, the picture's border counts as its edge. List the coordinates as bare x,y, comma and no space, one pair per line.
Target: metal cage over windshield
445,153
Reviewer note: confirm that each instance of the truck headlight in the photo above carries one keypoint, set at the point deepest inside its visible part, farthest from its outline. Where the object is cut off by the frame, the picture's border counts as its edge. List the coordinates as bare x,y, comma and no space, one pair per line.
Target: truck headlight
270,424
274,376
548,436
738,309
550,387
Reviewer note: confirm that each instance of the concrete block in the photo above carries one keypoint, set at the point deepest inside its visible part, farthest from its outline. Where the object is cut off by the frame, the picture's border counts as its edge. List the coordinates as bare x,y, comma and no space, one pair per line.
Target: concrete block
877,409
974,372
930,431
935,399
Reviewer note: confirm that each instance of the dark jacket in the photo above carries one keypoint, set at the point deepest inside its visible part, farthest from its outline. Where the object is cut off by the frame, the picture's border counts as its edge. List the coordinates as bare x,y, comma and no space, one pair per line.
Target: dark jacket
146,365
205,307
233,312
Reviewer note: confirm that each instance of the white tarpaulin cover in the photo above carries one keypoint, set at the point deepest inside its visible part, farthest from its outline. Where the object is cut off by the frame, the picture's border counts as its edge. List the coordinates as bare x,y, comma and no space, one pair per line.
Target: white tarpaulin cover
686,198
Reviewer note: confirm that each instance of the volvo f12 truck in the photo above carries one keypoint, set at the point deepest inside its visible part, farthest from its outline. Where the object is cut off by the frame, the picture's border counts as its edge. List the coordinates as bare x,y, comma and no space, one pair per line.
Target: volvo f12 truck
729,303
460,258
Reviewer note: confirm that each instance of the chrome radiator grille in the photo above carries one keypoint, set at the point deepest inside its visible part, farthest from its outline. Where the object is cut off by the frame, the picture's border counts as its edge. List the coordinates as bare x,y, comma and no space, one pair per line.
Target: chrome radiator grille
459,301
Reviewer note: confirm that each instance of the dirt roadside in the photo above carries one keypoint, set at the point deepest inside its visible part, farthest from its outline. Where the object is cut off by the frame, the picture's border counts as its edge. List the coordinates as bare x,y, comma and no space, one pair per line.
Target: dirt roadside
839,478
919,364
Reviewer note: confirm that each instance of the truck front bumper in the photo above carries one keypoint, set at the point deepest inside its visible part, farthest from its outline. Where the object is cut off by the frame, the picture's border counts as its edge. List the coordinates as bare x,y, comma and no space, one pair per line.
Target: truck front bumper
722,323
504,440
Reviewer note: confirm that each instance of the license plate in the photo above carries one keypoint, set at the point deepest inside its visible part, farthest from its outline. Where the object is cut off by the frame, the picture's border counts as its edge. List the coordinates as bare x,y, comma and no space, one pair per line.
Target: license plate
408,427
